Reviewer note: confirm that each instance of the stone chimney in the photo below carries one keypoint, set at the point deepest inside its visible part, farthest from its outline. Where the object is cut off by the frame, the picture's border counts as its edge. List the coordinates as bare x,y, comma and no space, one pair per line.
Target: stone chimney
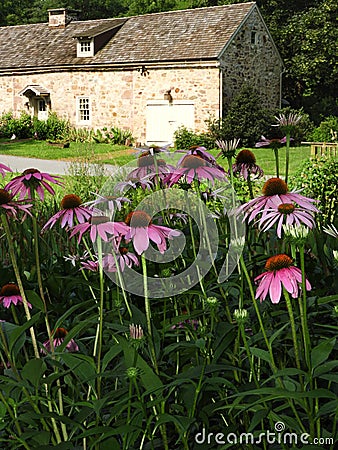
60,17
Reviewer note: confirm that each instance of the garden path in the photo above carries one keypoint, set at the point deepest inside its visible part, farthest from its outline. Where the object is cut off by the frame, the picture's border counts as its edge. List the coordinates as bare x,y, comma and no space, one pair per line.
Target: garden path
19,164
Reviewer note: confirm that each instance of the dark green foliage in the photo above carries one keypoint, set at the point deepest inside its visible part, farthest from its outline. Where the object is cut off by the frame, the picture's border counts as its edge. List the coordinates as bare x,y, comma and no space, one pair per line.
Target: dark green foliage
21,126
245,119
318,179
185,138
327,130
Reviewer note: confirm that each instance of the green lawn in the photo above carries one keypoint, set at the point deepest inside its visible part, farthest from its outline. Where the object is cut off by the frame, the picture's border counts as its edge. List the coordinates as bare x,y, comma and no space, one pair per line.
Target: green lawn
120,154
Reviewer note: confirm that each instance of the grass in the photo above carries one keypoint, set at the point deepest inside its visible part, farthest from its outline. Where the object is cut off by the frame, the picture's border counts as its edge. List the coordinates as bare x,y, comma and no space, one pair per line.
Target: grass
120,154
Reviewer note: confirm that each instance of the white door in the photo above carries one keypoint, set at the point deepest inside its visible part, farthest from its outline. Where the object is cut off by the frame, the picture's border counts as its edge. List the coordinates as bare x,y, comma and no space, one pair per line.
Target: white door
42,110
164,118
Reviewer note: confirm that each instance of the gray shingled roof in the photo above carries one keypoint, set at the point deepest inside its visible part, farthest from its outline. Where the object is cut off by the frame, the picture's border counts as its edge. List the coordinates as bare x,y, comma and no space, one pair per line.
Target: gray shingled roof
195,34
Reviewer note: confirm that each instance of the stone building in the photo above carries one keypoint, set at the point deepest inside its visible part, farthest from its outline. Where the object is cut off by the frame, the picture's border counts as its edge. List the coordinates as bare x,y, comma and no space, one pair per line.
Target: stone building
149,73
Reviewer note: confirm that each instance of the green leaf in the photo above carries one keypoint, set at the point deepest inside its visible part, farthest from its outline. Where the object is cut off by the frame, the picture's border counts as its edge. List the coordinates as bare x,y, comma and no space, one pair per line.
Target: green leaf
262,354
320,353
35,300
111,354
33,371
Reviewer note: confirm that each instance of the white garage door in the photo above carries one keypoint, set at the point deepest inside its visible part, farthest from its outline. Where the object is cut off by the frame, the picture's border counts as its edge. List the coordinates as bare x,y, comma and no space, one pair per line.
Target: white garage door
163,119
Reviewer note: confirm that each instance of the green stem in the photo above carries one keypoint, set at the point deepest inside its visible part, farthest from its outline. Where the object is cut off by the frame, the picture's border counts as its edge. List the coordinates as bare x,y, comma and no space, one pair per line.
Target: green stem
148,314
248,180
275,150
287,156
18,279
303,311
100,331
244,269
293,326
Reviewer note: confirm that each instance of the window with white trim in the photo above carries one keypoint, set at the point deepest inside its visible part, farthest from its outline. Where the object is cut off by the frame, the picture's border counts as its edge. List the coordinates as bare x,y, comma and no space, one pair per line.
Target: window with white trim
85,47
83,110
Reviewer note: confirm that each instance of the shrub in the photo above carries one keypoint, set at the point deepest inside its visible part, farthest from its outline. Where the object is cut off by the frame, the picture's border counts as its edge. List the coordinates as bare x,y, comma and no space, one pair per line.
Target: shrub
57,129
21,126
318,179
118,136
185,138
324,133
246,119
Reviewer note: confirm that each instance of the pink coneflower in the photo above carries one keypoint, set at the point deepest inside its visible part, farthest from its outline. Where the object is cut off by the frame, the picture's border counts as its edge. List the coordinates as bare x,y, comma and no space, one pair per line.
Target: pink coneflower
142,230
123,257
273,143
280,272
70,208
32,180
194,167
288,121
109,202
228,148
275,191
135,331
10,294
58,338
246,166
3,169
99,226
92,266
124,186
287,212
198,150
150,168
9,206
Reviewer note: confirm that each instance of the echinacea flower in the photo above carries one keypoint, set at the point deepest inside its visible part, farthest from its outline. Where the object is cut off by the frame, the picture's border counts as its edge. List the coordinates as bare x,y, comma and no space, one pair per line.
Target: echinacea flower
201,151
70,208
122,256
331,230
150,168
273,143
194,167
58,337
99,226
246,166
275,192
31,181
3,169
280,273
296,234
124,186
228,148
135,331
287,212
109,202
9,206
10,294
142,230
287,122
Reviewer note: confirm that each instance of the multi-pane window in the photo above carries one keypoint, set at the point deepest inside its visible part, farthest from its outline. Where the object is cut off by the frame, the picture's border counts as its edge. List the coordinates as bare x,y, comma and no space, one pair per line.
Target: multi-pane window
83,112
85,46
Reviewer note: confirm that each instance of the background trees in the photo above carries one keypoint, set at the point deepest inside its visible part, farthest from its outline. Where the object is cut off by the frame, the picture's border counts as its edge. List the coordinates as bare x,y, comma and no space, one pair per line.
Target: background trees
305,32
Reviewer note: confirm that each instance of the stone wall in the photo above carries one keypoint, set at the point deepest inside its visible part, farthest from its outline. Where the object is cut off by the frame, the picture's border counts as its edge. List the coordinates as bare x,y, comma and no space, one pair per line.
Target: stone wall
118,98
251,59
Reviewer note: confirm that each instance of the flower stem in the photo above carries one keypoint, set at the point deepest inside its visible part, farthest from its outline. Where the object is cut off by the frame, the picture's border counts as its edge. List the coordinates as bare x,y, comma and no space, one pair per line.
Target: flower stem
293,326
18,279
287,156
277,161
148,314
100,331
303,311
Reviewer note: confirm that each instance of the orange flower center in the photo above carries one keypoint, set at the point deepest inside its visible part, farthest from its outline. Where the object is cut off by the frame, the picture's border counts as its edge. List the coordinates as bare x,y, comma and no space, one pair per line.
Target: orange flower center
193,162
138,219
9,289
60,333
123,250
286,208
5,197
274,186
96,220
278,262
145,160
245,157
70,201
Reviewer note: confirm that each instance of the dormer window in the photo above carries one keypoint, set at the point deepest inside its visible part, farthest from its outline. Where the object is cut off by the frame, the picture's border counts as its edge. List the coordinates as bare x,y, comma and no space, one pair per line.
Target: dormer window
85,47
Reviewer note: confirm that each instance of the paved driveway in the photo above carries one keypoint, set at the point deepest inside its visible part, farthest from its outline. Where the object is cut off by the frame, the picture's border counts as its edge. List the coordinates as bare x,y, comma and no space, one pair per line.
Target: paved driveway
18,164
